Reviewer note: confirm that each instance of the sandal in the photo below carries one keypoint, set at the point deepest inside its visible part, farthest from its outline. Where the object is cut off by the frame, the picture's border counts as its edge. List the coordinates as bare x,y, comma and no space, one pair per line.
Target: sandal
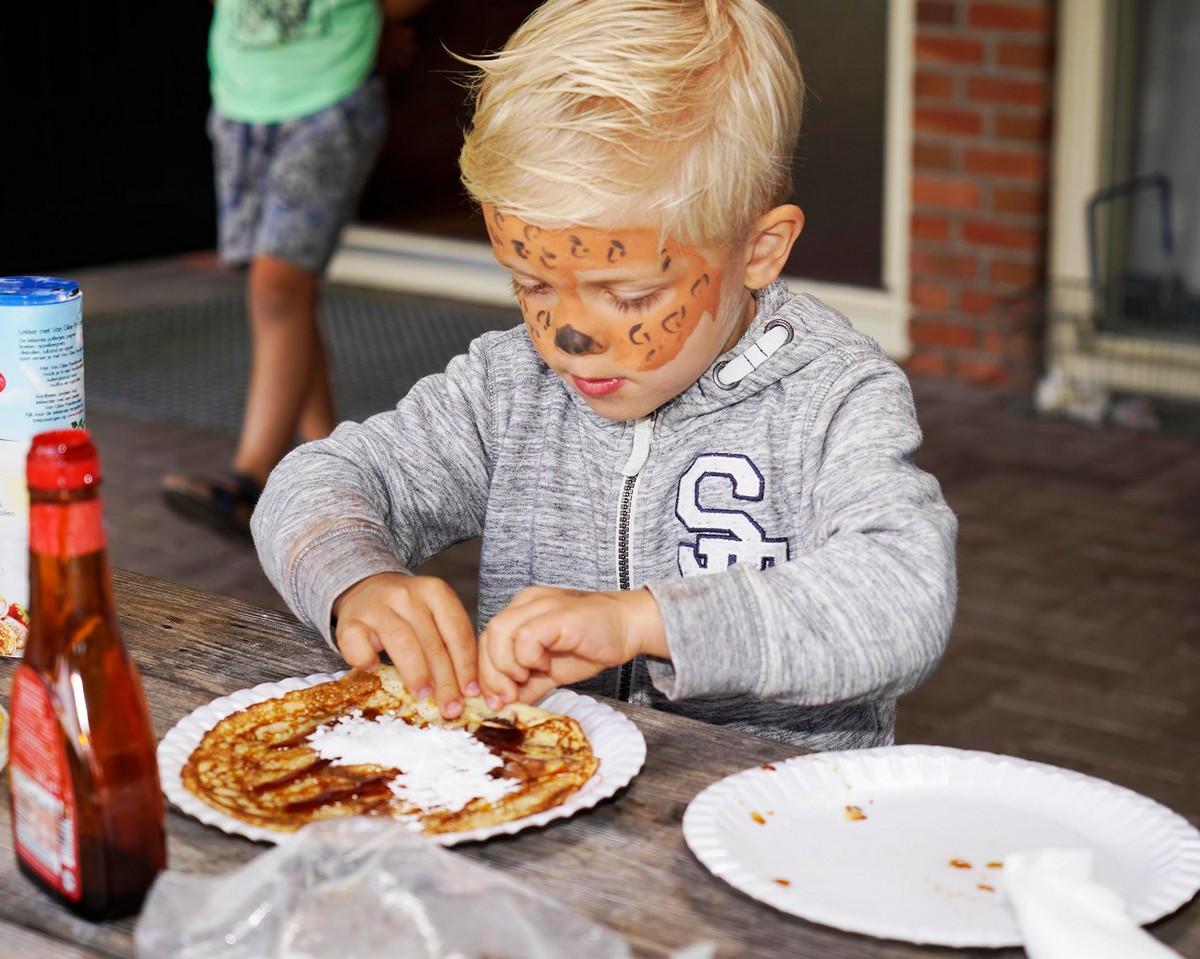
223,505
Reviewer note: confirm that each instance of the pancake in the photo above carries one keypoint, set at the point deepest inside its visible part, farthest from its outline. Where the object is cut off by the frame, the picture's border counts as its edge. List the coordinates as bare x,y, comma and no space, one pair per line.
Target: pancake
14,627
361,745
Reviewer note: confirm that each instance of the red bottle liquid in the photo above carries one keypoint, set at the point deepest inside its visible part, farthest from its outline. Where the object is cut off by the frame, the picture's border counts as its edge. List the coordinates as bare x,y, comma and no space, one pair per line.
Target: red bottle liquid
87,807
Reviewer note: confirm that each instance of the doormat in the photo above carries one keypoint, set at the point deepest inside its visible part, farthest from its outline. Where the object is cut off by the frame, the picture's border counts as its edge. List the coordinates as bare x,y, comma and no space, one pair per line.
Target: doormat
190,363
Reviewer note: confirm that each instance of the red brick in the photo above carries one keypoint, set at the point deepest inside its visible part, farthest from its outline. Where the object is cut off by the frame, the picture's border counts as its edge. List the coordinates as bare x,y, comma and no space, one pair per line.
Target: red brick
925,263
1019,345
1009,16
1013,126
929,296
1000,234
983,372
926,364
933,156
939,12
1012,273
948,50
977,303
940,85
945,191
1024,56
929,227
1020,164
962,122
993,343
1017,200
1002,90
951,335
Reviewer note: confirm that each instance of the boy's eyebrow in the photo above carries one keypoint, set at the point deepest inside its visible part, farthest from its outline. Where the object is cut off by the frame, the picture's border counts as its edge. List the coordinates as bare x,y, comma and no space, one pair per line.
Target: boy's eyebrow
642,282
622,274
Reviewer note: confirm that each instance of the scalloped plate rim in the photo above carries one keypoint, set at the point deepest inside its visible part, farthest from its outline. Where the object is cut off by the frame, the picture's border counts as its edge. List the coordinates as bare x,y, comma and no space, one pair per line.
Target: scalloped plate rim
622,755
701,833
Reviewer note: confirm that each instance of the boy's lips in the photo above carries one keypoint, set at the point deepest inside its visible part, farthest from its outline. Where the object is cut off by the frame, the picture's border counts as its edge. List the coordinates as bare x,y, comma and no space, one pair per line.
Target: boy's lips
597,388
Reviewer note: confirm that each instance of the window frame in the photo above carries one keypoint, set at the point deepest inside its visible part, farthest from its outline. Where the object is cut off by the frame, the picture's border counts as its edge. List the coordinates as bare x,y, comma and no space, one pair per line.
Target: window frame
464,269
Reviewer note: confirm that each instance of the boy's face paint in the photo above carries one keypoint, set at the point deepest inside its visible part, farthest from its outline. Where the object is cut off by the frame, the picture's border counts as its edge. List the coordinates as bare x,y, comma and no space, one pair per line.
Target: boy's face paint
627,320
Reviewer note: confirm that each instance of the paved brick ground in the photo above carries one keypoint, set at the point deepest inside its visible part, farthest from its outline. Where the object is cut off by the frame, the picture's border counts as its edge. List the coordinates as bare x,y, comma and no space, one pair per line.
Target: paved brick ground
1079,559
146,537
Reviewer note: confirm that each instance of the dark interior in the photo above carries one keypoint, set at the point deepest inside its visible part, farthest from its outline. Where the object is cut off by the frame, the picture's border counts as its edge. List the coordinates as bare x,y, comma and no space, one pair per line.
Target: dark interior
112,162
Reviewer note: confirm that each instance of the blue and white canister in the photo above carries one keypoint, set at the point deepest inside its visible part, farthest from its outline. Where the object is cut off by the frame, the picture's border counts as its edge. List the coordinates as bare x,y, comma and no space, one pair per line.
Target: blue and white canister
41,388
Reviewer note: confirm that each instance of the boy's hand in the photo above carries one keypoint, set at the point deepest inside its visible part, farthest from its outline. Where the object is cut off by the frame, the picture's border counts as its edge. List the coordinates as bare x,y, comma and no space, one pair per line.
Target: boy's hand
422,626
547,637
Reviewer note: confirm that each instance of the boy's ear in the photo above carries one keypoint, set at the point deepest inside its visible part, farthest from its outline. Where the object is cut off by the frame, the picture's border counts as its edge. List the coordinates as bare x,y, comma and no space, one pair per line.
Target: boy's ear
770,244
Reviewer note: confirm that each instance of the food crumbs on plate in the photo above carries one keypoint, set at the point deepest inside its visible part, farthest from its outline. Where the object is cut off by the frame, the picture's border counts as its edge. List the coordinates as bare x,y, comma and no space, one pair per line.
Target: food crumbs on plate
995,865
758,818
960,864
853,813
768,767
782,882
985,887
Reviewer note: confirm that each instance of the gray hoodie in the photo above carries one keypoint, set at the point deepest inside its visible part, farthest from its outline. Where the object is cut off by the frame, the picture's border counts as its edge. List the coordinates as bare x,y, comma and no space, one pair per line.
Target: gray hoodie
803,566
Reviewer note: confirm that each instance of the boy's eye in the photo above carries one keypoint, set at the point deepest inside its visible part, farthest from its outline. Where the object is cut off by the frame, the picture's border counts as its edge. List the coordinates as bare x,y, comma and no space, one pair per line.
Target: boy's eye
522,290
637,304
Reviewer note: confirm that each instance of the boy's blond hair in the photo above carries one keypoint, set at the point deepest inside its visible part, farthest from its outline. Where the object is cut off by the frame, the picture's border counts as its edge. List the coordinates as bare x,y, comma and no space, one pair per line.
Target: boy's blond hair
678,113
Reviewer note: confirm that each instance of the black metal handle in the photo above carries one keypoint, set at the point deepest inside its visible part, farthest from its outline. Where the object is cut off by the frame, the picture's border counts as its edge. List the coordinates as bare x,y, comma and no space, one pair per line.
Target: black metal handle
1161,182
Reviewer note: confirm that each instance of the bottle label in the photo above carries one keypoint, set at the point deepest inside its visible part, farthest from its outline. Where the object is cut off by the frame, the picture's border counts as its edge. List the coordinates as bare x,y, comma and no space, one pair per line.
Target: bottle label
41,388
66,530
45,819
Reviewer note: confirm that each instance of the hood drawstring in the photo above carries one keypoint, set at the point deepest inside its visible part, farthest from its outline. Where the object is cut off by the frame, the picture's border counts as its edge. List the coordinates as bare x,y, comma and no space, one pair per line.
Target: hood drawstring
729,373
643,430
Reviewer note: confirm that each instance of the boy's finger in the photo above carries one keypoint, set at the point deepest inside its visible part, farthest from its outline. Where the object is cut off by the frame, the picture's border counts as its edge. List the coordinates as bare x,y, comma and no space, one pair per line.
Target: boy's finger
536,688
443,682
532,643
408,656
358,645
453,623
497,689
499,644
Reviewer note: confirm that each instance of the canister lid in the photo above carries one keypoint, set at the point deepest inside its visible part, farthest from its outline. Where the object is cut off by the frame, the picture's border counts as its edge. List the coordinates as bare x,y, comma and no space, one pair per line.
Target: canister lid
62,459
36,290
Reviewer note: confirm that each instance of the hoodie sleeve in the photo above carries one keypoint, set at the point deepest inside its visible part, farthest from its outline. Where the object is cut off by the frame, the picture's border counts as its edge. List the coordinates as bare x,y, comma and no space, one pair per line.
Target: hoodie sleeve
864,611
379,496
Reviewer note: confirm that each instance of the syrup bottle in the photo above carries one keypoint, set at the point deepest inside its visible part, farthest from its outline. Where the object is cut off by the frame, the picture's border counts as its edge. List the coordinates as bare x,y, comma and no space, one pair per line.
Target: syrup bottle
87,808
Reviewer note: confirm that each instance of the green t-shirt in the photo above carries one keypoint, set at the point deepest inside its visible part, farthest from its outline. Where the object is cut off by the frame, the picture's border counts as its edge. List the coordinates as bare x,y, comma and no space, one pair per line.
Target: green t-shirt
275,60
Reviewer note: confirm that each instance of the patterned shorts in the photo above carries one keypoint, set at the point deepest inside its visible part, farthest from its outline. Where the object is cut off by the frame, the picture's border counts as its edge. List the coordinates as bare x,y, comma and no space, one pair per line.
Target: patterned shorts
287,189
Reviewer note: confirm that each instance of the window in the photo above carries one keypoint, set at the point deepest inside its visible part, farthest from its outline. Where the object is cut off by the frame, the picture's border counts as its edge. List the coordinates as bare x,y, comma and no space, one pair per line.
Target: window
852,170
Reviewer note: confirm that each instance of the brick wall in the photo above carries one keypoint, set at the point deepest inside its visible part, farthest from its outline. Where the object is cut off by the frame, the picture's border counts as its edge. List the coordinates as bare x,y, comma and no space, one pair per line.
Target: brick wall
983,90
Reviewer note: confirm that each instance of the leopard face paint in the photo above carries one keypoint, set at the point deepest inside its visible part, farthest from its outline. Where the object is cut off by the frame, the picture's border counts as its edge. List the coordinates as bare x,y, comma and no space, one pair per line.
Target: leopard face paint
628,321
619,292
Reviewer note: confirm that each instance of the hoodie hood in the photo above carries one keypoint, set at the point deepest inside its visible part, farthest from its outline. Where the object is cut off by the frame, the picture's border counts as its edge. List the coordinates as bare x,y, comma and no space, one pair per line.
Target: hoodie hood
789,331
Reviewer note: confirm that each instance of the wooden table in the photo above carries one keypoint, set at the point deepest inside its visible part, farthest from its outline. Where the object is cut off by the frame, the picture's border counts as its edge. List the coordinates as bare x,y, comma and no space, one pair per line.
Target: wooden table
624,863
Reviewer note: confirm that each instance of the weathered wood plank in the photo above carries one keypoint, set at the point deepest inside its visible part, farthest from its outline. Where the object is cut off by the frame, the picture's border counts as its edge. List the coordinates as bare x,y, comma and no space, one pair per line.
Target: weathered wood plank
16,942
624,863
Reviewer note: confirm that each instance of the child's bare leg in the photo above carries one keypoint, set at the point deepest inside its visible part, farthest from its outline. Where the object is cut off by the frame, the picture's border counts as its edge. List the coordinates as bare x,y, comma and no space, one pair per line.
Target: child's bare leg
288,374
317,418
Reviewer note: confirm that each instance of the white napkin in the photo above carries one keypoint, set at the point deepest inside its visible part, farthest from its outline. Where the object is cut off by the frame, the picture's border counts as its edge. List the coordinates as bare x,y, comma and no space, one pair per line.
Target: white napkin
1065,914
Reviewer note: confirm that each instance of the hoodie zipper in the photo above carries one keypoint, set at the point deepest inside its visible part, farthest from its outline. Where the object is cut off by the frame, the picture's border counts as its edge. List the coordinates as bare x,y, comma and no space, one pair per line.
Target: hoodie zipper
643,431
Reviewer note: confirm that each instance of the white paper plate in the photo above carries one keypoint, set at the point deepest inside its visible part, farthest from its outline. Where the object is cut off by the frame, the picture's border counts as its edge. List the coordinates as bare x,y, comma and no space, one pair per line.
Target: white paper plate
919,866
615,740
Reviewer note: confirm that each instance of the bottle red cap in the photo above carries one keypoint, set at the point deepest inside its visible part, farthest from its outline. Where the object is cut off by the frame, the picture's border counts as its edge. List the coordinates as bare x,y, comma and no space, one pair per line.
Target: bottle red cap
62,459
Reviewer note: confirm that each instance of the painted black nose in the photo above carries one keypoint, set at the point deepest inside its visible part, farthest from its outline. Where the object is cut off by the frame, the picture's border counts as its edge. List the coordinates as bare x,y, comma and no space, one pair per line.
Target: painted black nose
570,340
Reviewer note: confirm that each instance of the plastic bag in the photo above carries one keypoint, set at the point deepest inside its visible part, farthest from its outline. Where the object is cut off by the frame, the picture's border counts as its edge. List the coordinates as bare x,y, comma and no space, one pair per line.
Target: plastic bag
361,888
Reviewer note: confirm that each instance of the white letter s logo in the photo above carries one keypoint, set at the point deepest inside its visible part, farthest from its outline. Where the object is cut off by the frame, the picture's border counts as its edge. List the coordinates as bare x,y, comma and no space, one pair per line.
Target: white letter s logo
724,536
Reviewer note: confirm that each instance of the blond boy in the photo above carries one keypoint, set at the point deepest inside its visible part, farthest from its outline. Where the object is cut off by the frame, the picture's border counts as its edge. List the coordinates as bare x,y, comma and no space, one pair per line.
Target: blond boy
694,488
